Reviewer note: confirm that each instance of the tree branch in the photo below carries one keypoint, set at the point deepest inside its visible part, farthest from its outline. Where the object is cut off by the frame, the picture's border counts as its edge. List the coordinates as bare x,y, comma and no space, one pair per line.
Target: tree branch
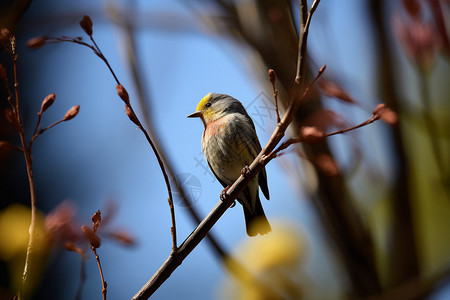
123,94
305,21
176,258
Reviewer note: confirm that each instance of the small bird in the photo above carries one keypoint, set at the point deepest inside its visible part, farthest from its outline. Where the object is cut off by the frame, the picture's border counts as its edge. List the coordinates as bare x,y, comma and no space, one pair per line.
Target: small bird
230,144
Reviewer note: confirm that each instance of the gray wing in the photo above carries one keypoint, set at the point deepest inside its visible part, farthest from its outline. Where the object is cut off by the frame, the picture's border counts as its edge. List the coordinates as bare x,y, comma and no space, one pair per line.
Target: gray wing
262,176
217,177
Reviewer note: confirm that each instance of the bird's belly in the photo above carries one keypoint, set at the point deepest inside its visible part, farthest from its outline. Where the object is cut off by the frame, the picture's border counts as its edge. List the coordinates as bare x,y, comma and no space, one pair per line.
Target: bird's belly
226,154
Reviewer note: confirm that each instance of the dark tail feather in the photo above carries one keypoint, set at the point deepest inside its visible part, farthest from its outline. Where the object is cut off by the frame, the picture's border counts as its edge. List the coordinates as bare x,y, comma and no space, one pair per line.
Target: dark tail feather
256,223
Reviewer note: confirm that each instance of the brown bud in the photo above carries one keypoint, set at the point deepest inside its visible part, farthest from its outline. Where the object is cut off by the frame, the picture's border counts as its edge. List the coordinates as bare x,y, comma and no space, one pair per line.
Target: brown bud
47,102
378,109
123,94
123,237
331,89
272,76
93,238
86,24
389,116
5,145
11,117
3,74
71,113
37,42
74,248
327,165
311,135
131,115
96,220
322,69
385,113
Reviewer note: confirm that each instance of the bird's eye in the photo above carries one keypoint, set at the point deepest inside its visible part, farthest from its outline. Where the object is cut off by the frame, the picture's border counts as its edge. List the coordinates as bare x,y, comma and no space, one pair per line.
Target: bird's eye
208,104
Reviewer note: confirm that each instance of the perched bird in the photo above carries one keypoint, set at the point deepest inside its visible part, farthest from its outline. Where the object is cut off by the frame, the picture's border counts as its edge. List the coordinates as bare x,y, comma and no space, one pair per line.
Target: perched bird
230,144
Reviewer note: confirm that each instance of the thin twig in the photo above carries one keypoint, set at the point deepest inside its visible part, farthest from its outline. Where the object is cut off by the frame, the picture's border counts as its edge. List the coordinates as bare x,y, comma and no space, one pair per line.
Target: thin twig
273,79
303,37
28,161
289,142
104,285
369,121
173,229
36,134
36,128
99,53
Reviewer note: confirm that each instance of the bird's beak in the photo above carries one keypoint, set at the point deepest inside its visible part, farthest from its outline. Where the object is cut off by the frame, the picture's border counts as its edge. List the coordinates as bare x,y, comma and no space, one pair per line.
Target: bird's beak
196,114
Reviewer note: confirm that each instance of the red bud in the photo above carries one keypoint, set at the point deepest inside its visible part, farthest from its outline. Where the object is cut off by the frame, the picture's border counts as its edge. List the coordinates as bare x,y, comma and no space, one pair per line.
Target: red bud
272,76
333,90
123,237
37,42
86,24
311,135
71,113
47,102
5,145
93,238
123,94
385,113
96,220
131,115
327,165
74,248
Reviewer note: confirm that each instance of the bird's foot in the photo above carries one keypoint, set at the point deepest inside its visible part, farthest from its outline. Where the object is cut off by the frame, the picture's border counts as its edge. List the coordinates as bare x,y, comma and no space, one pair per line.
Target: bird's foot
224,196
246,172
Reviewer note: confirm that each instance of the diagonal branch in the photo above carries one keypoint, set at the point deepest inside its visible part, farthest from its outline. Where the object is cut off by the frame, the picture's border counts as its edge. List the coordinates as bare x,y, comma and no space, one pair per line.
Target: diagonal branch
263,158
176,258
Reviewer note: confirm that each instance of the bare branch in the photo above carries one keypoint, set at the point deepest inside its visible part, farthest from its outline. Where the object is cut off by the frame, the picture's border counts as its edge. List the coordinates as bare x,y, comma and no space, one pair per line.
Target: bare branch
273,79
303,37
123,95
173,229
28,160
104,285
176,258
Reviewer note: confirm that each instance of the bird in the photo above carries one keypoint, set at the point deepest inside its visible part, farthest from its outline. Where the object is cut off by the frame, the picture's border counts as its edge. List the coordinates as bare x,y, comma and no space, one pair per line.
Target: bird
230,144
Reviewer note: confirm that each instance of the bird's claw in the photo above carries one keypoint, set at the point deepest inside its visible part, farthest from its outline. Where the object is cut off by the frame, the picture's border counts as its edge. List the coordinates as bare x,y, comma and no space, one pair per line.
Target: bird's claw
246,172
223,194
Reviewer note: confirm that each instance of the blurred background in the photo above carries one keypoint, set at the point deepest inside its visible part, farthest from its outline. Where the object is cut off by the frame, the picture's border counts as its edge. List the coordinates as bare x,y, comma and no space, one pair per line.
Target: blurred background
364,215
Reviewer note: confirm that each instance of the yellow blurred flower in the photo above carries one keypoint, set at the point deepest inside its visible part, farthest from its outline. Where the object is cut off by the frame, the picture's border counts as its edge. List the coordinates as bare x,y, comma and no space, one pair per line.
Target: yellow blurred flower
14,224
272,266
283,248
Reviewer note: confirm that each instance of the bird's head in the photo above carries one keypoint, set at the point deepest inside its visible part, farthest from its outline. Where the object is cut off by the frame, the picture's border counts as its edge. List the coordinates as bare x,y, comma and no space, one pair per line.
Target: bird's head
214,106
